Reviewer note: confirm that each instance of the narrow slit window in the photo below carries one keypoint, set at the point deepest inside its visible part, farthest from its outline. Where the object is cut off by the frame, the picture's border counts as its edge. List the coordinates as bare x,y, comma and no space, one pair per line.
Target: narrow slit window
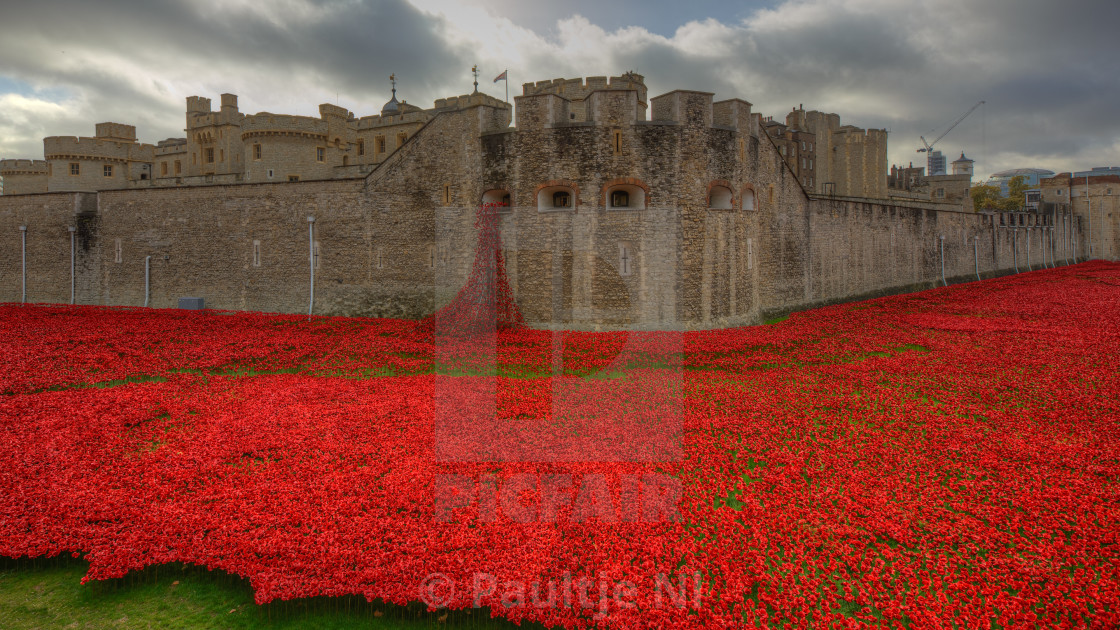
617,142
256,151
380,258
318,256
625,259
361,147
750,254
256,253
447,194
117,256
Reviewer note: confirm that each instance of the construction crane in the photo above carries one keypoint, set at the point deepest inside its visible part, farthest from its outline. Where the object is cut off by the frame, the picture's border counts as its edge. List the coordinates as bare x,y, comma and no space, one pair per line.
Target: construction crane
928,149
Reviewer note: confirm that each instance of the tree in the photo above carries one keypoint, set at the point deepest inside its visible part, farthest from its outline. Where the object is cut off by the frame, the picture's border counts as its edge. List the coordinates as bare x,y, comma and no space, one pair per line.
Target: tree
1016,191
989,197
985,197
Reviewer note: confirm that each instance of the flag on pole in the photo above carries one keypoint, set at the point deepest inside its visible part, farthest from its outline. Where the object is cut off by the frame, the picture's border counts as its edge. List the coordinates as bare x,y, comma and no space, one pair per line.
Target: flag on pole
501,77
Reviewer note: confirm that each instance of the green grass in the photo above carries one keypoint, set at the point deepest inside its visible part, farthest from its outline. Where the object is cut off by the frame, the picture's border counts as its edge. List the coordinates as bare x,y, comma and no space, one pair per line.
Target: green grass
47,593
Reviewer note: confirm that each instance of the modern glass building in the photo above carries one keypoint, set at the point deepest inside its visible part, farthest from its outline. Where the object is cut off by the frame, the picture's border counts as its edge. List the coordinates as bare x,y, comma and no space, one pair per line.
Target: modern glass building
1098,170
1032,175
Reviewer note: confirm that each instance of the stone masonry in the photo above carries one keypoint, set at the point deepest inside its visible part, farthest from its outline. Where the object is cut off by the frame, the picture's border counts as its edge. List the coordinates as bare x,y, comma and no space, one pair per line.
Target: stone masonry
687,218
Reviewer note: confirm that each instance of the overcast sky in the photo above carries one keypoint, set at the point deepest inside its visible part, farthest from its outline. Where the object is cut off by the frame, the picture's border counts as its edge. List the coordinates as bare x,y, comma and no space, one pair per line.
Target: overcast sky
1048,70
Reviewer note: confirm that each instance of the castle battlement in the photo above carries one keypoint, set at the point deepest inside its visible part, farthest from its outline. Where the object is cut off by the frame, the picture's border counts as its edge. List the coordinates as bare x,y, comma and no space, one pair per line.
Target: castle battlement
174,149
577,89
265,147
214,118
84,147
115,131
851,133
377,120
469,100
328,110
23,167
266,123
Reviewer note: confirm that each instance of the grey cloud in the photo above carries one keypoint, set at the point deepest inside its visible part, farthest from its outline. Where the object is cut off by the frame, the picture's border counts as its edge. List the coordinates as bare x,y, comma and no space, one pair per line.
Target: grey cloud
98,49
1046,69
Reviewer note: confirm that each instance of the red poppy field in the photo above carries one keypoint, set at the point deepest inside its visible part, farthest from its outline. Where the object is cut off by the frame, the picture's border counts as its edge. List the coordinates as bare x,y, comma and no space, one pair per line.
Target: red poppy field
943,459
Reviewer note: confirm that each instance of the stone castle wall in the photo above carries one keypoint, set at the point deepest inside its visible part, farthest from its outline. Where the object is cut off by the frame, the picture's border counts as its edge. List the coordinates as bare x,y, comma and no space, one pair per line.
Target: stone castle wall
399,241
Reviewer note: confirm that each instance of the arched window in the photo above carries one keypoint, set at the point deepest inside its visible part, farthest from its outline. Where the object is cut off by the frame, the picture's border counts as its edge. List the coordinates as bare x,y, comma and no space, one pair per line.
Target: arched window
624,194
498,196
557,195
719,198
748,199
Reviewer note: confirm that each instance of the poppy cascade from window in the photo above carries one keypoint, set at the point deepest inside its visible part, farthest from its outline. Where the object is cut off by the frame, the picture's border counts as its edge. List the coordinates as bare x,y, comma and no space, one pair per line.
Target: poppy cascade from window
486,301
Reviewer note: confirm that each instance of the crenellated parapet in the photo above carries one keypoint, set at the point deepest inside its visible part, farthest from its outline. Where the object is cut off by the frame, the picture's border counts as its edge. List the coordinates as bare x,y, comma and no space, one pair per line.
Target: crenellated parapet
378,121
23,167
213,137
112,159
470,100
24,177
268,124
171,146
578,92
579,89
96,148
199,114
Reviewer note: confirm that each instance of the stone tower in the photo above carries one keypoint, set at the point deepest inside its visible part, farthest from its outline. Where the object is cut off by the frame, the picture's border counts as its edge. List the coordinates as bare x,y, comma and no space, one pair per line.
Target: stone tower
962,166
